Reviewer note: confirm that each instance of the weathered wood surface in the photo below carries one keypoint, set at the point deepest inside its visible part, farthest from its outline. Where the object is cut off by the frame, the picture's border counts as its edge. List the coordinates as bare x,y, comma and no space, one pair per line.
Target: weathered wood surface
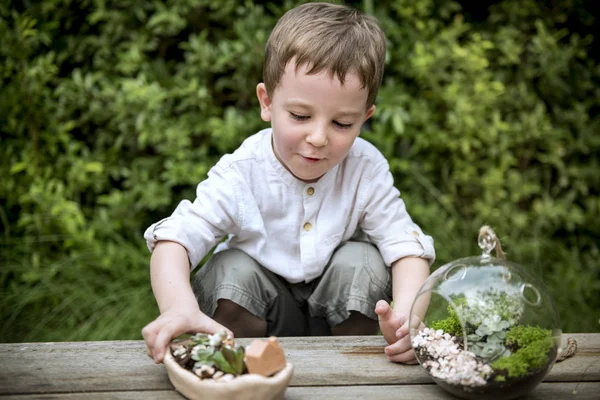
545,391
325,367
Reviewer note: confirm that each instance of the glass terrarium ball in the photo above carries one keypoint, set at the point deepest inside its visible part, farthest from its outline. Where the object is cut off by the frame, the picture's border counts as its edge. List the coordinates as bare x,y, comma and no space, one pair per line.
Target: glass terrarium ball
484,327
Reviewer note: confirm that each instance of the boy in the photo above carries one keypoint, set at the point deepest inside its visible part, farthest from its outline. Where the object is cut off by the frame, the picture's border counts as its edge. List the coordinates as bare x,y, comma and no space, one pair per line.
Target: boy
318,240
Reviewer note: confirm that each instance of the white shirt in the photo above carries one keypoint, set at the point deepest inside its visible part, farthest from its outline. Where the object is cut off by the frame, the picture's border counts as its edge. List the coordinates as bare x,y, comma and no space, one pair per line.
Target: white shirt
288,226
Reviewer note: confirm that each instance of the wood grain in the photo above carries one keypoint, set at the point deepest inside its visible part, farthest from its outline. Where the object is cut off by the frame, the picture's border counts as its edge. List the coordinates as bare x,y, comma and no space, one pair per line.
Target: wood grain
123,366
545,391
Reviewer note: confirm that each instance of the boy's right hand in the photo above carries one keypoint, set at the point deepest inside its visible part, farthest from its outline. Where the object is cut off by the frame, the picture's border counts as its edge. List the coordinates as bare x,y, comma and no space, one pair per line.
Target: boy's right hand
394,328
173,323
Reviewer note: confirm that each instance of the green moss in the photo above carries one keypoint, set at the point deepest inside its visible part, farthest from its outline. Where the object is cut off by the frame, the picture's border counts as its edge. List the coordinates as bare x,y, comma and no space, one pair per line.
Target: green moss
449,325
500,378
513,365
522,335
536,353
533,345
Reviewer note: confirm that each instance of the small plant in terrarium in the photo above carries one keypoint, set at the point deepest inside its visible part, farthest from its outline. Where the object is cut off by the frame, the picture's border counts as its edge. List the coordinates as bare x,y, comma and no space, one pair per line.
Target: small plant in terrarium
214,367
219,358
211,356
490,328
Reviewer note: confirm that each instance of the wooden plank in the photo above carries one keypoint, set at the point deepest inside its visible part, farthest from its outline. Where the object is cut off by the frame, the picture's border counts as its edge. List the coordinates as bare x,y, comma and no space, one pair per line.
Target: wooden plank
78,366
359,360
584,365
356,360
545,391
138,395
339,361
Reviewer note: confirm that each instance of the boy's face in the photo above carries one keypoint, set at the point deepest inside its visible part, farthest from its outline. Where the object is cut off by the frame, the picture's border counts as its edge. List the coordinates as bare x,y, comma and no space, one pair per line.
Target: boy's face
315,119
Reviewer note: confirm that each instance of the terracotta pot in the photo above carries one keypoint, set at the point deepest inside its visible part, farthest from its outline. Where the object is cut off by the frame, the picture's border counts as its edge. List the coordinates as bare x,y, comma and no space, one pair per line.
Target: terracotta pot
243,387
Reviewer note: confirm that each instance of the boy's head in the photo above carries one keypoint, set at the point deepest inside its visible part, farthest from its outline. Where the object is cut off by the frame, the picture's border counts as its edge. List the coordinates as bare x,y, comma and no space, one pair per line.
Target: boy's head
327,37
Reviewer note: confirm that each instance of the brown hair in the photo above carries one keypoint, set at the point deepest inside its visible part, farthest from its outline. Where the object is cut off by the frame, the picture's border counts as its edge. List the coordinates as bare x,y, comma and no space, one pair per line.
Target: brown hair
327,36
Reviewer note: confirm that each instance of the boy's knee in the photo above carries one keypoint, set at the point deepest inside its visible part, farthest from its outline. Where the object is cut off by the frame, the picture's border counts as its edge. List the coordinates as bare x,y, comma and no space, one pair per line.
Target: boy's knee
358,258
231,278
232,266
355,280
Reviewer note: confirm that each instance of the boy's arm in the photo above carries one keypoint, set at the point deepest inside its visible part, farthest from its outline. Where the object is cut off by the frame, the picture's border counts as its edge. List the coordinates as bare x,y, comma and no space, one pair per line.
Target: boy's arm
179,311
408,275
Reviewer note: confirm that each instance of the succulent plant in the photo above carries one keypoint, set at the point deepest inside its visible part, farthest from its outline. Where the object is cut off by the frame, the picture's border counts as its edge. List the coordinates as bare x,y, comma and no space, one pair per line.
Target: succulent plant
476,307
218,351
211,356
488,340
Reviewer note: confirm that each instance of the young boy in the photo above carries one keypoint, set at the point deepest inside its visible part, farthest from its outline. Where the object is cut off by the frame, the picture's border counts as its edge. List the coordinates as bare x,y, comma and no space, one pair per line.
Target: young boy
318,240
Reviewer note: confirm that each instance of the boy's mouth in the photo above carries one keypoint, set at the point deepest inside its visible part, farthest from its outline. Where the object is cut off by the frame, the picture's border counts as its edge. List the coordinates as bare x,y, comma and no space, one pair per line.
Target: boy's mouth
311,160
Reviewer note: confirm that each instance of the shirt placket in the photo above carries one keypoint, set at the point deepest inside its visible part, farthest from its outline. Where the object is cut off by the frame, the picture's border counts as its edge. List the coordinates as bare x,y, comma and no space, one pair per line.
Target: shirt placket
308,253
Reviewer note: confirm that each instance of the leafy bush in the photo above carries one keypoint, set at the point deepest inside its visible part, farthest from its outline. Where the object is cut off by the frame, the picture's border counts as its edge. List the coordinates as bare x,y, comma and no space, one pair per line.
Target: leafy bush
111,112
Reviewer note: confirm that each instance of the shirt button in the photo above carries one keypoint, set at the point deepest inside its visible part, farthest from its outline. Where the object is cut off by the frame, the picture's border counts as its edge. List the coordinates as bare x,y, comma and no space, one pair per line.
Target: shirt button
310,191
415,233
307,226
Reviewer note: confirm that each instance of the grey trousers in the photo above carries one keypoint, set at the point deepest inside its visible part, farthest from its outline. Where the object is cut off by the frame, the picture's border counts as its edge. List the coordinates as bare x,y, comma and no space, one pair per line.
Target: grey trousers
354,280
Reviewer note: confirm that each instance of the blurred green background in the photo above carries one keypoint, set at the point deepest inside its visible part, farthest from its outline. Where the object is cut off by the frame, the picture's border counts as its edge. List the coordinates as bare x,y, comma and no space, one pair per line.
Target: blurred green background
112,111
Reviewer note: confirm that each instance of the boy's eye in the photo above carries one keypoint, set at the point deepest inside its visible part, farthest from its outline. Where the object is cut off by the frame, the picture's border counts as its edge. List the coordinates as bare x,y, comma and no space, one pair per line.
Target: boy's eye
298,117
340,125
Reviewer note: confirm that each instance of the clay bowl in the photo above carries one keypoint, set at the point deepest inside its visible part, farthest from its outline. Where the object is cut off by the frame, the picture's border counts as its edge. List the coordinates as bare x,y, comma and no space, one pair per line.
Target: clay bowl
243,387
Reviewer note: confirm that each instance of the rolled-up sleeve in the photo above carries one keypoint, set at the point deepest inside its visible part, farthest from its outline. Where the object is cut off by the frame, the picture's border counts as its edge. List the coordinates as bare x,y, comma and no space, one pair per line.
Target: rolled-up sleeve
200,225
388,224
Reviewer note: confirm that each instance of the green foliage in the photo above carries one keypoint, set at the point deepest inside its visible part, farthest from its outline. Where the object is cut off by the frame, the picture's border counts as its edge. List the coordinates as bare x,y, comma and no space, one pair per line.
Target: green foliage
450,324
488,340
513,365
494,121
523,335
489,307
534,346
228,359
112,111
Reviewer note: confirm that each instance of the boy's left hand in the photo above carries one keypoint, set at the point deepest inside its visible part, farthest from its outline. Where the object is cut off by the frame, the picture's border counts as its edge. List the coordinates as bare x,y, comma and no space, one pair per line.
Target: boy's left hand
394,327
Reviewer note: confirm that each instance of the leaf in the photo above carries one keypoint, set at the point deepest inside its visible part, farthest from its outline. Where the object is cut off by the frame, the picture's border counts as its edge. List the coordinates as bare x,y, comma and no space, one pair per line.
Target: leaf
222,363
17,167
398,124
235,357
203,355
198,364
200,339
94,166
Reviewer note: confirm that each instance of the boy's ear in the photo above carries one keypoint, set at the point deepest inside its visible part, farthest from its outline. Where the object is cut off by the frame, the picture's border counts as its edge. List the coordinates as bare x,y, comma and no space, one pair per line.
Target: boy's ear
370,112
265,102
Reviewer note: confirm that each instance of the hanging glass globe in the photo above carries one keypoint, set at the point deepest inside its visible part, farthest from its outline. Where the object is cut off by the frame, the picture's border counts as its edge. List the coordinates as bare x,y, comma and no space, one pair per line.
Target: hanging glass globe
484,327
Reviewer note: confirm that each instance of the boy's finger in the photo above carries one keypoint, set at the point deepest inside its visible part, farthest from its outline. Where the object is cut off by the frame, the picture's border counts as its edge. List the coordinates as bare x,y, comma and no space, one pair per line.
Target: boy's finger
407,357
164,337
149,333
383,310
401,351
149,352
211,326
403,330
399,347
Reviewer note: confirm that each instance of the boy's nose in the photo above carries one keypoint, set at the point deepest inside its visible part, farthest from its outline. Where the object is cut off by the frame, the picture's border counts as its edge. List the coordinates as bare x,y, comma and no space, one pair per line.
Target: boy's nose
317,137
